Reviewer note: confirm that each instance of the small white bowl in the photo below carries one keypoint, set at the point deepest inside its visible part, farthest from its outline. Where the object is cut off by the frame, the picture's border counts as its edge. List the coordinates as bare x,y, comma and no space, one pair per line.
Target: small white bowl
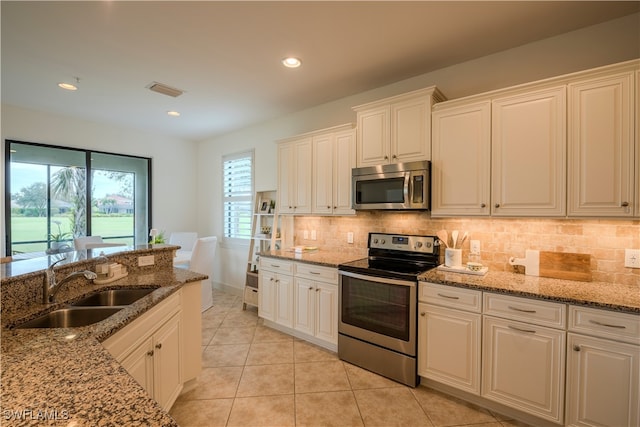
474,266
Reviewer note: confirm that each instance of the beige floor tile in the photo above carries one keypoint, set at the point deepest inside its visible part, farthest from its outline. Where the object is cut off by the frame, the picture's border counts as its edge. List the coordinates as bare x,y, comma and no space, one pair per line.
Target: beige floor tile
266,380
212,322
513,423
266,334
234,320
362,379
336,408
202,413
268,411
386,407
207,334
240,335
307,352
215,383
445,410
225,355
320,376
269,353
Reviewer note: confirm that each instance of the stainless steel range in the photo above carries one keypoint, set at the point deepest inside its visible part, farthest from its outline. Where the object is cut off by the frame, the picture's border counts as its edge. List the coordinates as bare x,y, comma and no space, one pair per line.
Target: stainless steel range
378,304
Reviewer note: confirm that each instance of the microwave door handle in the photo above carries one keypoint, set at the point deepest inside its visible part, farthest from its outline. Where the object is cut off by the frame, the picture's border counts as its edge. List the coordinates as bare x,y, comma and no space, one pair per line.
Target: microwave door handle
408,189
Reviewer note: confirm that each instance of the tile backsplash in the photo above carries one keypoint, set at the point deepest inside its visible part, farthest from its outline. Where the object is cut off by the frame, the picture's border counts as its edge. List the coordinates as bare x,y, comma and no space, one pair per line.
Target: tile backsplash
500,239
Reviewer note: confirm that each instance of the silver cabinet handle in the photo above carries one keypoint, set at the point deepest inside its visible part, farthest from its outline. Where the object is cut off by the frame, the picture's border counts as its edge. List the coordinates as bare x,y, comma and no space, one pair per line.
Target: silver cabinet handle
521,309
447,296
275,265
313,272
608,325
528,331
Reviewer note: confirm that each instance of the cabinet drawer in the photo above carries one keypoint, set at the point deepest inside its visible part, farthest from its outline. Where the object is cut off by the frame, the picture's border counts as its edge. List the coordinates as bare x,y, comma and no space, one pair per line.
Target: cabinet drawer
315,272
526,310
251,295
605,324
276,265
449,296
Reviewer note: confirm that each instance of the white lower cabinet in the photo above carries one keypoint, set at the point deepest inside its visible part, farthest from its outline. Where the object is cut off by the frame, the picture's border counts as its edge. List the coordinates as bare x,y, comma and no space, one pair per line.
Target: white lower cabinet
151,350
153,363
448,337
523,367
304,303
603,375
316,309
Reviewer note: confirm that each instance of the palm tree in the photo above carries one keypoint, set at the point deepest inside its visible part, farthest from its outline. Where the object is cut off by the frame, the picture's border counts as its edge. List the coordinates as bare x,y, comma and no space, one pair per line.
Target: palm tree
70,184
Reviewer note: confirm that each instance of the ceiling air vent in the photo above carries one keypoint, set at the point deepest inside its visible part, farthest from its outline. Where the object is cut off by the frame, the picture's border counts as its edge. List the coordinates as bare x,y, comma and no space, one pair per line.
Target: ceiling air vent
164,89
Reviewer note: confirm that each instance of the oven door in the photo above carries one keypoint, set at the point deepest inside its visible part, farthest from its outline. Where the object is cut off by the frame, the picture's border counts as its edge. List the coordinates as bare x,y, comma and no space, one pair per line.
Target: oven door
380,311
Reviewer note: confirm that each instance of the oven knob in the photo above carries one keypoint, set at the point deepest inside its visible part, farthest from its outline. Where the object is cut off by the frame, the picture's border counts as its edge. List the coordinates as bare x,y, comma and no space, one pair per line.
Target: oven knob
428,244
382,241
418,244
375,240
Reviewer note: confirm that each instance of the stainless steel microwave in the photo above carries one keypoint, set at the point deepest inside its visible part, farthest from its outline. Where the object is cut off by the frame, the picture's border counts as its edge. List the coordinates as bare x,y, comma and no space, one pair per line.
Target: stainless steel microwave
398,186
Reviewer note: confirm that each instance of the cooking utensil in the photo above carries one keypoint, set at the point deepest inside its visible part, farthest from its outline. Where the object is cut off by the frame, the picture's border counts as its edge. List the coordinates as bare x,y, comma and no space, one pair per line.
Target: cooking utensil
464,237
454,238
444,237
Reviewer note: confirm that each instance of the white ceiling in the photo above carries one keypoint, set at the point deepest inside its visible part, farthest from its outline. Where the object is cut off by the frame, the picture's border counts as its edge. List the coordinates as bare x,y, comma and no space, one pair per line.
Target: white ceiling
226,55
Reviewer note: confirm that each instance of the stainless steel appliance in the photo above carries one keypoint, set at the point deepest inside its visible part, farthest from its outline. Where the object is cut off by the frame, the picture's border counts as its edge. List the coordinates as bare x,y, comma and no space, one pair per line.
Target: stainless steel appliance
396,186
378,303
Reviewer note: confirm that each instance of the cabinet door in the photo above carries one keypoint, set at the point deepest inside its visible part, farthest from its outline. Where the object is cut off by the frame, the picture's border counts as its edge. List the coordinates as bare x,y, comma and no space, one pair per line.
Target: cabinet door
326,312
139,364
461,160
302,177
449,347
601,162
528,154
602,382
411,130
373,136
286,178
305,295
167,363
523,367
267,295
323,165
344,159
284,300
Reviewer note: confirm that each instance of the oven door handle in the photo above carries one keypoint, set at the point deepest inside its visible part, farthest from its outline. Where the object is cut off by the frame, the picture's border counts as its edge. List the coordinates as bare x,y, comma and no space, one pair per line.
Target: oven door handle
385,280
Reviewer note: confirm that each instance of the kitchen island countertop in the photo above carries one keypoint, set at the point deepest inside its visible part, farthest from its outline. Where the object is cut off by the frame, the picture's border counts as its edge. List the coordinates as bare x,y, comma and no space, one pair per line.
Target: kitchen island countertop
610,296
64,376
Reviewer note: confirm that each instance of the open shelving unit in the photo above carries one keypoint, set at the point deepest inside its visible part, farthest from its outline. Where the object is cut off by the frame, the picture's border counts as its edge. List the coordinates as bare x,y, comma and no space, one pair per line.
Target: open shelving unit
265,236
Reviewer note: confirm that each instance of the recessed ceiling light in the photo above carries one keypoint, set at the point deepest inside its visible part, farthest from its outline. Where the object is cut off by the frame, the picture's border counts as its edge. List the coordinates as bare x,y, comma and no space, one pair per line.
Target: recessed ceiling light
291,62
173,113
67,86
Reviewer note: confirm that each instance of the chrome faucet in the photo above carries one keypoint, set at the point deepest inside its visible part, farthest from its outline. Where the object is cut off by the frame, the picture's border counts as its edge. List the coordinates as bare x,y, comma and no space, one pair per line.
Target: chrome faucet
51,287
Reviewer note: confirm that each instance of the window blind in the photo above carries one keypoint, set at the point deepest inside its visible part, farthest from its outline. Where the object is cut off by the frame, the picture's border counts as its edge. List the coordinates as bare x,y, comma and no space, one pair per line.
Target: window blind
237,195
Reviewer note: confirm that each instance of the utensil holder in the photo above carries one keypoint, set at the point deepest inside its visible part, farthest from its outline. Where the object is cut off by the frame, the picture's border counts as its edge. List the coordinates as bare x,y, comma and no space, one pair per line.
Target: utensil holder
453,257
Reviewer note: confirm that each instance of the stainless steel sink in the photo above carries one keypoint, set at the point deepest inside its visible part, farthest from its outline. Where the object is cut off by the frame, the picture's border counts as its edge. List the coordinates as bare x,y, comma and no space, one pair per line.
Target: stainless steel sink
114,297
71,317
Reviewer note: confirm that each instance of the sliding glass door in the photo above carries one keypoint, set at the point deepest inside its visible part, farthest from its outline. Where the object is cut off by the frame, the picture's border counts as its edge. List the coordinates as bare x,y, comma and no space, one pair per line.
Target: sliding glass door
54,194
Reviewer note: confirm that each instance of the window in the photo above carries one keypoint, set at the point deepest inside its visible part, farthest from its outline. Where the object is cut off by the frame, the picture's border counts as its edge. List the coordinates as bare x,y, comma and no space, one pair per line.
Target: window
237,195
54,194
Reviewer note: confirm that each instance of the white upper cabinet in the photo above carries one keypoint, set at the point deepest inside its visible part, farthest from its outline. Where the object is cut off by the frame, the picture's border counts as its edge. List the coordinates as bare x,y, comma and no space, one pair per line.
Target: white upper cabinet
461,160
528,154
601,149
334,155
396,129
294,176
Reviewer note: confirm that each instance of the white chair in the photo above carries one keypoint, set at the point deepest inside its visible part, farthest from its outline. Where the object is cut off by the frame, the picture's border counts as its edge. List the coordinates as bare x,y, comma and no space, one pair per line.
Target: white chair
186,240
202,262
92,242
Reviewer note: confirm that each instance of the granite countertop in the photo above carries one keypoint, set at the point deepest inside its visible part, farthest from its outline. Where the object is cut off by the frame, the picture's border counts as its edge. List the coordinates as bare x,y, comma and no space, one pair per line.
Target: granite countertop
318,257
611,296
65,375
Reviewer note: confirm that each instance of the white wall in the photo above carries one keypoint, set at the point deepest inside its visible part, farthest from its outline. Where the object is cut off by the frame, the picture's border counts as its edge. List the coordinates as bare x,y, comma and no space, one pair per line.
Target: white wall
611,42
173,172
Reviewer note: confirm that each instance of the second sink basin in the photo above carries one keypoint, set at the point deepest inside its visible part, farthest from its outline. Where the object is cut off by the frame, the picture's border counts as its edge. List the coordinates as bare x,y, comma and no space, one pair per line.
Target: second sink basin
71,317
114,297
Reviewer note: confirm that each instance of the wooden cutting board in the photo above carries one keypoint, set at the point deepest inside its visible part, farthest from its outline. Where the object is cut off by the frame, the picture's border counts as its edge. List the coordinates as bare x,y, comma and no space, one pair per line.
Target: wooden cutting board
557,265
565,265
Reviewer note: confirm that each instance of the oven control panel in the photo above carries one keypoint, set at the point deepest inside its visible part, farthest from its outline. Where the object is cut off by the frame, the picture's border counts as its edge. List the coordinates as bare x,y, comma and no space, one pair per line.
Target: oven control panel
402,242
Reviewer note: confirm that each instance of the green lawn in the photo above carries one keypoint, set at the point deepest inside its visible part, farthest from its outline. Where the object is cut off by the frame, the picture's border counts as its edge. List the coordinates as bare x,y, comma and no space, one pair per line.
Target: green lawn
35,228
